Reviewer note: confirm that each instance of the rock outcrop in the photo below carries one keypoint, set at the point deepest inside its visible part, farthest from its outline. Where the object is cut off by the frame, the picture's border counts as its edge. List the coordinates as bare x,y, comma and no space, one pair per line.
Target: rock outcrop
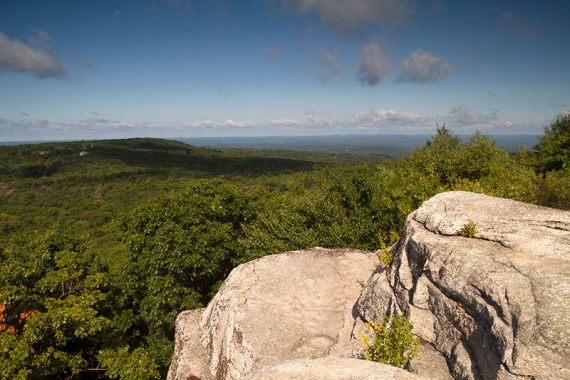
493,306
497,306
295,305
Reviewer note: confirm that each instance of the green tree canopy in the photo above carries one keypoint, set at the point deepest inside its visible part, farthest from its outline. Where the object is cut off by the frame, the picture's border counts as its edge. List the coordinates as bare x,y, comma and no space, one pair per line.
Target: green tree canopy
554,147
53,291
178,248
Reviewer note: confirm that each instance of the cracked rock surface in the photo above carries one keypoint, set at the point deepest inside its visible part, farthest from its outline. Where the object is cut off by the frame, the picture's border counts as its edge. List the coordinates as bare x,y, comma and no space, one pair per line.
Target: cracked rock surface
496,306
295,305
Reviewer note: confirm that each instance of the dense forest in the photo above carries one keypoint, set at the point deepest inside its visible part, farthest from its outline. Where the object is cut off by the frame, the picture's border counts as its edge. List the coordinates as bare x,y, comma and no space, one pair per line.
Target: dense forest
103,243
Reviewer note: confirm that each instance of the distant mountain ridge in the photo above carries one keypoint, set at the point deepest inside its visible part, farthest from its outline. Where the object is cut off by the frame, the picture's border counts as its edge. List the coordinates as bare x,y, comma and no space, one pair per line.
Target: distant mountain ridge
389,144
386,144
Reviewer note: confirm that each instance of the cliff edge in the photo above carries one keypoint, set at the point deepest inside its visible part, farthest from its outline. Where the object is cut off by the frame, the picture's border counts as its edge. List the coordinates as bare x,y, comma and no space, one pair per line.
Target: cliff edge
493,304
496,305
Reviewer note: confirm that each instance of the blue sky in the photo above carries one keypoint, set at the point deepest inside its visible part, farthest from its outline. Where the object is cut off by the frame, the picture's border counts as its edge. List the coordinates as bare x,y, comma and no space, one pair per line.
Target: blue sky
183,68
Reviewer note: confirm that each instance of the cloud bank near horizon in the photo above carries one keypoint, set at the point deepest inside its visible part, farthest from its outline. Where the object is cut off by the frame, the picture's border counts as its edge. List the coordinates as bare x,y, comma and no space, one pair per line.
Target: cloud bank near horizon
460,118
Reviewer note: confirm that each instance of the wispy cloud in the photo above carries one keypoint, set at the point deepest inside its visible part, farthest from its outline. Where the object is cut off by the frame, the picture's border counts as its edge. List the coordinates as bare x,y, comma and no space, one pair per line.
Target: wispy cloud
325,64
463,117
373,64
512,23
36,57
423,67
460,118
345,16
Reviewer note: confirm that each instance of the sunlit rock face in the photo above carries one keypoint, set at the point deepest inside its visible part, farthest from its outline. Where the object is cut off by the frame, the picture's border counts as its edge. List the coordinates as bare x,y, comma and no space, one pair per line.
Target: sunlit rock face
492,306
295,305
496,305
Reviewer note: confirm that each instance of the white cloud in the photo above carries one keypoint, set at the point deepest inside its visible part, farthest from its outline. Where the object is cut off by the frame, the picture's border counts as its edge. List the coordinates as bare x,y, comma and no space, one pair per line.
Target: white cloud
373,64
423,67
202,124
392,118
383,120
317,121
285,123
326,64
349,16
460,118
36,58
237,124
463,117
230,125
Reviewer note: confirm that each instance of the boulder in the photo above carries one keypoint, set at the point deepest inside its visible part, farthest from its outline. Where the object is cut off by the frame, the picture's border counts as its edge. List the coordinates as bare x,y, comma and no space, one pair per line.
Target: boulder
295,305
496,305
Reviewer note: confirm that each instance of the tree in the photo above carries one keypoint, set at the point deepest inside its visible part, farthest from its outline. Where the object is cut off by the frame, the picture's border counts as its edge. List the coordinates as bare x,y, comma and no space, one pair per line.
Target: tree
338,211
179,247
476,165
554,147
441,155
52,290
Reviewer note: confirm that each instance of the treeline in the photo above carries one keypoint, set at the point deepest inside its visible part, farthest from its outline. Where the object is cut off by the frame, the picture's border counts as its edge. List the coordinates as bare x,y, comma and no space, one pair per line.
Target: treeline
104,306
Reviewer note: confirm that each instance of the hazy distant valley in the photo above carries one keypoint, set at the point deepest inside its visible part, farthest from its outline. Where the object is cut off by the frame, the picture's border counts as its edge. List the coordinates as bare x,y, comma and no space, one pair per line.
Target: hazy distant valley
385,144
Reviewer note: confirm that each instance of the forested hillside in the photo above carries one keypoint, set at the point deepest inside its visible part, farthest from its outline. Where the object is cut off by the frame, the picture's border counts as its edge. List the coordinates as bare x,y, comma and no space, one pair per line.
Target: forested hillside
102,243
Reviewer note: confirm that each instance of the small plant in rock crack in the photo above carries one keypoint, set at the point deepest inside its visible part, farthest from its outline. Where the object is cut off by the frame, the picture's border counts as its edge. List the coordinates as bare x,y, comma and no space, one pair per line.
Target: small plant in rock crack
469,229
386,257
394,342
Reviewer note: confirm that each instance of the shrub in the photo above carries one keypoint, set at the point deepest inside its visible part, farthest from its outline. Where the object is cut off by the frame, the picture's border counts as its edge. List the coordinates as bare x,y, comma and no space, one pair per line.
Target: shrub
469,229
554,189
394,342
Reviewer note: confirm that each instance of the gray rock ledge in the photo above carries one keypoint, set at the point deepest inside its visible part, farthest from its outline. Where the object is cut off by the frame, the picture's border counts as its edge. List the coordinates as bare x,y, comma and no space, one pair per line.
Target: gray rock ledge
295,305
496,306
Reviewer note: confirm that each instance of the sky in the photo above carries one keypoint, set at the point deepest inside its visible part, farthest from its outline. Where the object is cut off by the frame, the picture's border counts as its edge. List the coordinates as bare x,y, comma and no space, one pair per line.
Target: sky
187,68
